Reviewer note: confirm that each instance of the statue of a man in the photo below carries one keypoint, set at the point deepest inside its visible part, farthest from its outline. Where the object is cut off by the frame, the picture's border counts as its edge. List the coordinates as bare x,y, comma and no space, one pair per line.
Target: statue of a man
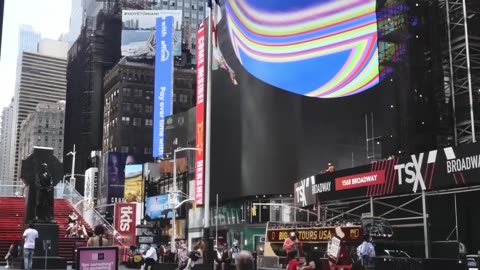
44,209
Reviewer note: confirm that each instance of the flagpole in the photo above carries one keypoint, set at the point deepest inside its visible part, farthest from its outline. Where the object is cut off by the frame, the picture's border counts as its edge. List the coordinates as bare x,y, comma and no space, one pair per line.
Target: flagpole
208,120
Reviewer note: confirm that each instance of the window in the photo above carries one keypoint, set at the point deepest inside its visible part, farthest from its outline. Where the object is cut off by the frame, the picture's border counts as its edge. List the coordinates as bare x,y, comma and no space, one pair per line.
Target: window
126,92
148,109
200,8
165,3
147,151
148,122
194,7
126,120
137,108
124,149
172,4
127,106
137,122
138,92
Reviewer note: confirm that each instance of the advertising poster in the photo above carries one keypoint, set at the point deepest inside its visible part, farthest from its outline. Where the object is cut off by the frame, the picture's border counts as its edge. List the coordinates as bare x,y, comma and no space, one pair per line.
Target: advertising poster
134,183
125,222
163,106
160,207
139,30
91,186
104,258
200,116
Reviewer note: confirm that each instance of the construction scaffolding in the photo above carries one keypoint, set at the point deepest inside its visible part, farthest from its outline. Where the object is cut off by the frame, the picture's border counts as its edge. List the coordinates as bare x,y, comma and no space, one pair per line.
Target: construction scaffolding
462,80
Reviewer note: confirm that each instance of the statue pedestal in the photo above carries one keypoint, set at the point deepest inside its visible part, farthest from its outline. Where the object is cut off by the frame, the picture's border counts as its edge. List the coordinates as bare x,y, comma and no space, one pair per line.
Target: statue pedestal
46,232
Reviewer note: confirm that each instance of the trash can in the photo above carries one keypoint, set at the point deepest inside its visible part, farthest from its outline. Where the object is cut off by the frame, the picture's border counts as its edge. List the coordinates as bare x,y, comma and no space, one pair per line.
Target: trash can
472,262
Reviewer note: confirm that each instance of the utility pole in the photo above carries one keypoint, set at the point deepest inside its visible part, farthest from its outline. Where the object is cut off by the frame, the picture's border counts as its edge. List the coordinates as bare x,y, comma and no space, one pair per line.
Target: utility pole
72,175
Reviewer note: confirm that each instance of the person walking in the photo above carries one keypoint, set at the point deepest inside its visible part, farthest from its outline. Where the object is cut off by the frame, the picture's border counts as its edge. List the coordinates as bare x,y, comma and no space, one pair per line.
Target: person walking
244,261
150,258
29,237
99,240
366,253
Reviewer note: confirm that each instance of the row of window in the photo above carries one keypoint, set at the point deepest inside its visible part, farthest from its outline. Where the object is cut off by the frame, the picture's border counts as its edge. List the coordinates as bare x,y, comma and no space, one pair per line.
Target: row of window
136,122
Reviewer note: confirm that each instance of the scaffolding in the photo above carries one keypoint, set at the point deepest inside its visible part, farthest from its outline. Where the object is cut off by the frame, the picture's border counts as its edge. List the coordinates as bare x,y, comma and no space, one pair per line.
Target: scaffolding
462,79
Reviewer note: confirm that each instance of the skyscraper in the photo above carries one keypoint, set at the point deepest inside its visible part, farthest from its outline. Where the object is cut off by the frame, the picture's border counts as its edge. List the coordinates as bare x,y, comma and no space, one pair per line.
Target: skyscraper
76,21
28,39
7,145
42,78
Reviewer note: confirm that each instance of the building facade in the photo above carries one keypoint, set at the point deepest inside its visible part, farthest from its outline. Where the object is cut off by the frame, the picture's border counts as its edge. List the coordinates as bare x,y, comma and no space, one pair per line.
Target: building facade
41,79
44,127
128,110
28,39
92,54
6,145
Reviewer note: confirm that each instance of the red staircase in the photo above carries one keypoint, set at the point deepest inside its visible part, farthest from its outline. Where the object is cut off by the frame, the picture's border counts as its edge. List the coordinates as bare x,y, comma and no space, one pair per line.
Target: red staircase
66,246
11,222
11,225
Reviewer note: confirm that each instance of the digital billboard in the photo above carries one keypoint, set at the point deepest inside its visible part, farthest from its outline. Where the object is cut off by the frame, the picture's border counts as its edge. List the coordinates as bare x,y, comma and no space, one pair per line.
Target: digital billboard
200,116
163,106
160,207
282,114
139,30
134,185
333,43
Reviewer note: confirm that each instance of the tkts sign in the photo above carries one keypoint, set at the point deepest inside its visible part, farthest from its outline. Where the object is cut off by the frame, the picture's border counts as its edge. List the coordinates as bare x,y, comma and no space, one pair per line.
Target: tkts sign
445,168
125,222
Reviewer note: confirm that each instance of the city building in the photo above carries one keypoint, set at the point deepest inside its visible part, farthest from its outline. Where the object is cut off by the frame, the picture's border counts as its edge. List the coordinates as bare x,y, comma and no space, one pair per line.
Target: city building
41,78
28,39
90,56
6,145
43,127
76,21
128,110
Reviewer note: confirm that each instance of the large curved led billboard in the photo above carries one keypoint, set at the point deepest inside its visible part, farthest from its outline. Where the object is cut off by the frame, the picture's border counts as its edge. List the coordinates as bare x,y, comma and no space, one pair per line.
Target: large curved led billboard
296,86
332,43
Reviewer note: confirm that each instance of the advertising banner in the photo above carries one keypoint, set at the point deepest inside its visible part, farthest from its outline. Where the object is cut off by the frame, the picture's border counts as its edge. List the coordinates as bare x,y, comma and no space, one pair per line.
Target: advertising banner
105,258
447,168
315,235
139,30
133,183
160,207
200,123
125,222
91,186
163,106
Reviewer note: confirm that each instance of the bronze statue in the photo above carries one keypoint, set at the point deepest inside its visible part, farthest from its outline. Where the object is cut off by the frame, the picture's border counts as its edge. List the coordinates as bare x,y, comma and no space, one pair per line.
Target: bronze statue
44,202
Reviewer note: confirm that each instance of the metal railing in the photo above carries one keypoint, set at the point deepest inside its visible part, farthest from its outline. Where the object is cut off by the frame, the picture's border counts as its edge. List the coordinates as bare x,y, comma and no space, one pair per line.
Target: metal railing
268,263
92,217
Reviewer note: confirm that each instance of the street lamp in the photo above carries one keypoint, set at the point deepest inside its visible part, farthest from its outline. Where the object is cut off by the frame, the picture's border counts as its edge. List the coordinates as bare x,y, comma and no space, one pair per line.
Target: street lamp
72,175
174,208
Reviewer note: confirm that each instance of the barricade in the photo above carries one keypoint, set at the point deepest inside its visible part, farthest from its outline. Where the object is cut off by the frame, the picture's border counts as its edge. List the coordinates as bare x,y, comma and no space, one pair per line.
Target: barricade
268,263
418,264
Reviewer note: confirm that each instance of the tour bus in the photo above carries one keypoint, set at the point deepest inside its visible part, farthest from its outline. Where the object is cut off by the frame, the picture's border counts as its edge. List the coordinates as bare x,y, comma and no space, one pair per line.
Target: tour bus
317,235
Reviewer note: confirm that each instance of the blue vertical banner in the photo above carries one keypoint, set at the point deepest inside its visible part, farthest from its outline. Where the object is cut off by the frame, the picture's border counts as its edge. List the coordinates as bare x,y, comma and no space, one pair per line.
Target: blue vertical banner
163,102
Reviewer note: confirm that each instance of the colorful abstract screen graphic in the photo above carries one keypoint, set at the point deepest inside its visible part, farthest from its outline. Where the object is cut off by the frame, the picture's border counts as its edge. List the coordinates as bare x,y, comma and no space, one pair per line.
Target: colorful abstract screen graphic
317,48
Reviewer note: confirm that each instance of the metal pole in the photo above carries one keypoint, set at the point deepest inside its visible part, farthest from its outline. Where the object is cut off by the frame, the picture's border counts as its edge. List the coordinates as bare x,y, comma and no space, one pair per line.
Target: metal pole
216,224
452,85
366,134
174,209
456,215
209,122
374,156
467,54
72,176
371,206
425,225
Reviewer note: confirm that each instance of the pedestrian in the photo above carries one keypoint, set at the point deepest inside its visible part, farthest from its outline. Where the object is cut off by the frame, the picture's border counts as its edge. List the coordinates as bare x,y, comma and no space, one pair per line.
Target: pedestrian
244,261
29,237
234,251
99,239
312,260
366,253
292,244
293,262
150,258
12,253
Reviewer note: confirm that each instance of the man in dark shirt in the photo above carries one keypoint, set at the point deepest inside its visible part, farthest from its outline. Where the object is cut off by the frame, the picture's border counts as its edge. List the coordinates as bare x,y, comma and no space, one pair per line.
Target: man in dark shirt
312,260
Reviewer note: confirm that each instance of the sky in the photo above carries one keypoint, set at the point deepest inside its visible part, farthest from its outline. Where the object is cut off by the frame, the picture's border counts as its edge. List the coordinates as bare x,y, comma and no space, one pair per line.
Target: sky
49,17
